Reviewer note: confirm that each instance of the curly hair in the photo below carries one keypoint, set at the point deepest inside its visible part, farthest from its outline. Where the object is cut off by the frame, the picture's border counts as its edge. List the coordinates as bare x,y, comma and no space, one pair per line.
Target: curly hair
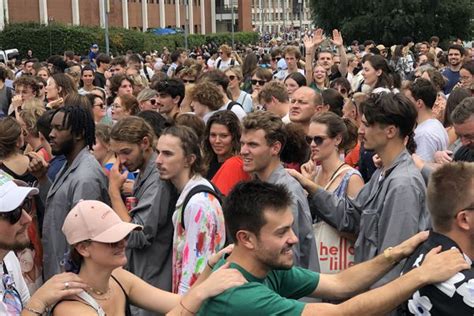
229,120
208,94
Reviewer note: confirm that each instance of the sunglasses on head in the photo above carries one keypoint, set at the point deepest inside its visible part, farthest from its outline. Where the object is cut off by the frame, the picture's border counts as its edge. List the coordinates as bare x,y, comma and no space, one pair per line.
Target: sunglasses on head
14,216
260,82
318,140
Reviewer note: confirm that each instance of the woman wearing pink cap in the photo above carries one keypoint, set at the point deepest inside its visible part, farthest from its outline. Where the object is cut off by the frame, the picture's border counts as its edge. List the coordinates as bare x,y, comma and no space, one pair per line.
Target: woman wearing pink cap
98,237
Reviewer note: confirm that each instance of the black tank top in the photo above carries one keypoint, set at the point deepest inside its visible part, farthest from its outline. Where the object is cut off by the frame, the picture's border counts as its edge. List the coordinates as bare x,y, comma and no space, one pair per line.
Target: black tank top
127,301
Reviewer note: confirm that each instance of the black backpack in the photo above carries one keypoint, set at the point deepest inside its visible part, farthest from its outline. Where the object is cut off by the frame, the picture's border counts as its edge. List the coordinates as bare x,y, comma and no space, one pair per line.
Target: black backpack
232,63
204,188
231,105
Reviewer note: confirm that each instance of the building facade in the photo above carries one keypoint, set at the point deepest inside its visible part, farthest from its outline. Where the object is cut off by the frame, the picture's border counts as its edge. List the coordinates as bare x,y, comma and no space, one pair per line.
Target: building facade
280,15
200,15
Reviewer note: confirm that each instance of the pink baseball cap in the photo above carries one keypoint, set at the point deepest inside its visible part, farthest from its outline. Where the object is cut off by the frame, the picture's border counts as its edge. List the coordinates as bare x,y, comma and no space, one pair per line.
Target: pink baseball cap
96,221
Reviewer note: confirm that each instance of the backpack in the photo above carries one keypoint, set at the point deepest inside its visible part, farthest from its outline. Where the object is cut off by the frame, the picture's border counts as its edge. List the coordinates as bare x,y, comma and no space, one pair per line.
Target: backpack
213,191
231,105
232,63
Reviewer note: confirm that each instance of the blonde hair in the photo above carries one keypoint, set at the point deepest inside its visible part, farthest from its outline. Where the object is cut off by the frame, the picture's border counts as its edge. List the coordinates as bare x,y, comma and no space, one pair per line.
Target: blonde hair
30,113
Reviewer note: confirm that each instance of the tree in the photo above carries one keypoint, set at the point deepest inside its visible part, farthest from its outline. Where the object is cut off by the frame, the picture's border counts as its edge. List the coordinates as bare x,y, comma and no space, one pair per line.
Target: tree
389,21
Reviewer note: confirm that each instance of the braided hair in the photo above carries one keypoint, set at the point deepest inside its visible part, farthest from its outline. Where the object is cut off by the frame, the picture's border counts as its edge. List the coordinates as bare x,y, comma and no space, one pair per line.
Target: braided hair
78,117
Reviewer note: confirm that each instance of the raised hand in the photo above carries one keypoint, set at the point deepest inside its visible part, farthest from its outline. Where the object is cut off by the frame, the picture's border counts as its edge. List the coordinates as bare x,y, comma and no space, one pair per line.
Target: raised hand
116,177
38,167
315,40
337,38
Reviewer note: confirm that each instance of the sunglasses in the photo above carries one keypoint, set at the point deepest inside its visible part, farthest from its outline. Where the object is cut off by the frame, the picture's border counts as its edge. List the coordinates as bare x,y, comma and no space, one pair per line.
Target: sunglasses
260,82
152,101
276,59
14,216
101,105
231,77
318,140
189,81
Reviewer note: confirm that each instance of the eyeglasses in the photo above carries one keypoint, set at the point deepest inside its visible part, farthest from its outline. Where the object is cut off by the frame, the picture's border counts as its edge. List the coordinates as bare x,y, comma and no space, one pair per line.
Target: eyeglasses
189,81
318,140
14,216
260,82
231,77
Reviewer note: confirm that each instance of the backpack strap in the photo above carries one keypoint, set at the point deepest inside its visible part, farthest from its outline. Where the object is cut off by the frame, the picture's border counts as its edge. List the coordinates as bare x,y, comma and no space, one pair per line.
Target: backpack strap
218,64
198,189
89,300
231,105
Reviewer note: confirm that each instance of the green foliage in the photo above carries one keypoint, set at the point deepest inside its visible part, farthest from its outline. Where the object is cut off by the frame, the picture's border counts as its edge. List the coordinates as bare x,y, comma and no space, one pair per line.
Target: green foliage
56,38
389,21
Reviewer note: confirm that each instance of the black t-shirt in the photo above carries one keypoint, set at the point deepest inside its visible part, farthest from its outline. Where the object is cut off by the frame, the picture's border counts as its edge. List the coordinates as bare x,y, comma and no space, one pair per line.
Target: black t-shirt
99,80
452,297
213,168
464,153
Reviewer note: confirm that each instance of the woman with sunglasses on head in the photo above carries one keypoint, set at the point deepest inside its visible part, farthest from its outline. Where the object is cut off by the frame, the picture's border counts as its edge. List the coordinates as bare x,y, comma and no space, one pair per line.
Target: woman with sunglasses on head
98,238
221,148
234,74
147,100
98,106
259,78
329,139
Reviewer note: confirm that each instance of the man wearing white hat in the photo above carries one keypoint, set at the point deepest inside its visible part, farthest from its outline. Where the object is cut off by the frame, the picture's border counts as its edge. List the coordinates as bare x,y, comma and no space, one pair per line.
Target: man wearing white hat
15,207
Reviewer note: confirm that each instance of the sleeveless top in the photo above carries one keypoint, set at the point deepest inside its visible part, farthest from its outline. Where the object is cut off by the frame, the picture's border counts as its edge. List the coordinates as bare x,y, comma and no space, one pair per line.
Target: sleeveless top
89,300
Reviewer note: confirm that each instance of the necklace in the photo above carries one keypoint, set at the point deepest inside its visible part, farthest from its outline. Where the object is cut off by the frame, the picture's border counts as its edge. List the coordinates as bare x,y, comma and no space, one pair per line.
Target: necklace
95,293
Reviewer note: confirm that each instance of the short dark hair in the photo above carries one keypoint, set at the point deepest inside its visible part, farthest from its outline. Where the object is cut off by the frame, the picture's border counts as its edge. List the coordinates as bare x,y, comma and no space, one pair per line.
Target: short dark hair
173,87
59,65
102,59
119,60
245,205
456,47
334,99
27,81
425,90
469,66
175,55
3,73
390,109
157,121
78,117
454,99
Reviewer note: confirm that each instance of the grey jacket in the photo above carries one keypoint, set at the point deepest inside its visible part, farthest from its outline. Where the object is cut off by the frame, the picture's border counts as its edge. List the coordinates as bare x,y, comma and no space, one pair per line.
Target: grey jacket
306,255
389,209
149,251
84,179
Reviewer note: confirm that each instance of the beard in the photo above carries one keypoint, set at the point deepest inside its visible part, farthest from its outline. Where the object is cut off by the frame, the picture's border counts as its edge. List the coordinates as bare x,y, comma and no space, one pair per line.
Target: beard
16,245
272,259
65,148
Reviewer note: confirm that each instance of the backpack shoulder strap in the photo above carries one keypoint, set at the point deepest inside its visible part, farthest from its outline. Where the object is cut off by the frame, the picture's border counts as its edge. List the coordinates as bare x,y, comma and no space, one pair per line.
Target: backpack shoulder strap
232,61
218,64
198,189
231,105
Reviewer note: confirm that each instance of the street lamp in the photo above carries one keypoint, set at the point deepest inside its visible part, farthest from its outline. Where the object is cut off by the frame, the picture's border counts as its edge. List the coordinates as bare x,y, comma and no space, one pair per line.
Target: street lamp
233,21
106,25
186,26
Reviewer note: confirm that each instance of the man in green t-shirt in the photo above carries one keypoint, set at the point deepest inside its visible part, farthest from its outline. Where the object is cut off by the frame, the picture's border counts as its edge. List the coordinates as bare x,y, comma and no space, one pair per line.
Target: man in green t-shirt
259,219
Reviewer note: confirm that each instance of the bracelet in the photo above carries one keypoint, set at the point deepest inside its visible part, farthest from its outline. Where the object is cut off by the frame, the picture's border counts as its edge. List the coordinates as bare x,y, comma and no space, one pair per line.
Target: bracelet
34,311
184,307
388,255
209,265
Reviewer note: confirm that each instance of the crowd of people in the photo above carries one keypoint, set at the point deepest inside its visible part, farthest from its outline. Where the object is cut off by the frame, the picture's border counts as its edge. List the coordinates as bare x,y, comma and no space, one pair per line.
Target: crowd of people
299,178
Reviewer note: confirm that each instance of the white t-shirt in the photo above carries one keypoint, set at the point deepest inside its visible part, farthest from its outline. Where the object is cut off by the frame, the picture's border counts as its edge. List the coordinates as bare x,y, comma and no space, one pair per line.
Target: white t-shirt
430,137
223,65
13,267
237,109
246,100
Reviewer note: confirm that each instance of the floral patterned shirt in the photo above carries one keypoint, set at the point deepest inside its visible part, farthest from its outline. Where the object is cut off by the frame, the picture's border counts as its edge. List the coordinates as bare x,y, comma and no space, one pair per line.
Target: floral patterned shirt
202,235
452,297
